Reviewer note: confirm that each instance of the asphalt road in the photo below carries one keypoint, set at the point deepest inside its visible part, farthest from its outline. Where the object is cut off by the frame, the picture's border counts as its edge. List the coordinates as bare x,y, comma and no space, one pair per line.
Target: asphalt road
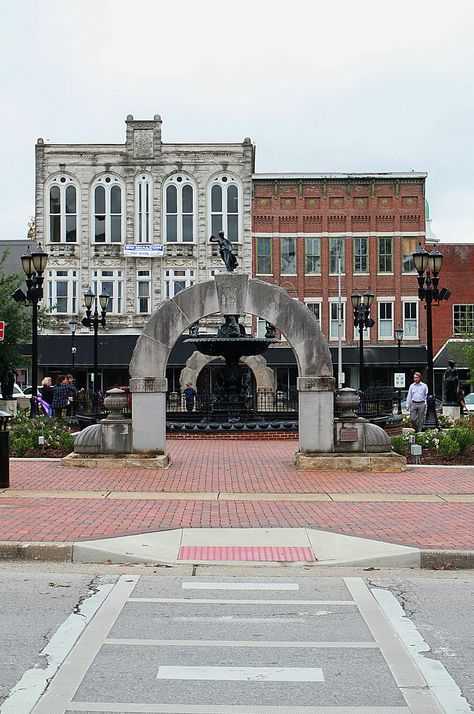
216,639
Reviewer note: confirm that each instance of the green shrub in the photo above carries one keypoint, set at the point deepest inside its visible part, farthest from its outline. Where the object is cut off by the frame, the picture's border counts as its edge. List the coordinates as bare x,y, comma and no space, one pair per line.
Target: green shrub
448,446
25,433
400,444
427,439
464,437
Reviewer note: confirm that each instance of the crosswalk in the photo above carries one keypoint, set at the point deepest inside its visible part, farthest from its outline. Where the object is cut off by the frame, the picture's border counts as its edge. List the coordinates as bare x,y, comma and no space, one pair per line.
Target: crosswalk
264,646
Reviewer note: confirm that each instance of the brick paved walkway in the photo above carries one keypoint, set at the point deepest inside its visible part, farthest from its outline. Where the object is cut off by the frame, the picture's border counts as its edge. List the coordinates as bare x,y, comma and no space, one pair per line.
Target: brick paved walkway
237,484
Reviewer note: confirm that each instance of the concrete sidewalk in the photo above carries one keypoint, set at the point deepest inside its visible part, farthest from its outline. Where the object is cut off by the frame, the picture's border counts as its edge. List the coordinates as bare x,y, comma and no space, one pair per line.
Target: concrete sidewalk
227,500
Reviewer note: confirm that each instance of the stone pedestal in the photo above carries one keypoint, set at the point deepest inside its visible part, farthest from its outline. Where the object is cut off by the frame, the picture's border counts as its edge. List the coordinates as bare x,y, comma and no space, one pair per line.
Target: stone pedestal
316,412
351,462
9,405
452,411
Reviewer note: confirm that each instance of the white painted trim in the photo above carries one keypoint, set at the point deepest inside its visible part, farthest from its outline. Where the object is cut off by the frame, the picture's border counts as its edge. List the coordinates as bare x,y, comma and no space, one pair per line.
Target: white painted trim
240,674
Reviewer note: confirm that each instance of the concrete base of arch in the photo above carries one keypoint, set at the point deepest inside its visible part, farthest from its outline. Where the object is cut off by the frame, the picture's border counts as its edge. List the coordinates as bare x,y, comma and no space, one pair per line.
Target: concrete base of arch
346,462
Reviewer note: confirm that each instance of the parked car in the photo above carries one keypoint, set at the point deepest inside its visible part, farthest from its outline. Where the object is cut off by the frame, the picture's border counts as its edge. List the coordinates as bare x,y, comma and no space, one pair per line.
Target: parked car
28,391
17,392
469,402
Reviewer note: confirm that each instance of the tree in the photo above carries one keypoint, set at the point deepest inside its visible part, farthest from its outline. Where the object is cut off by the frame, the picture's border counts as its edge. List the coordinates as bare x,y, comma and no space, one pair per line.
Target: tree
462,352
17,320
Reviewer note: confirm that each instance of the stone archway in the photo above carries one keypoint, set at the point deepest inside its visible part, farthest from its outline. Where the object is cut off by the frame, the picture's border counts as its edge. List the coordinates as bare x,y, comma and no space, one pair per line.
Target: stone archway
232,294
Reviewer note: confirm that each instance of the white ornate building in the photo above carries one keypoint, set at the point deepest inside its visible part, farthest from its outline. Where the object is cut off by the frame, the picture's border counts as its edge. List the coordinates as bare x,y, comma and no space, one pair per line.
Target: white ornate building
133,220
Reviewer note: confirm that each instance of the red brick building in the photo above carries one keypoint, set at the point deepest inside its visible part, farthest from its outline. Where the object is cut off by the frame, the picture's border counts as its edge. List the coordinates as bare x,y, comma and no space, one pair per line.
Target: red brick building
302,224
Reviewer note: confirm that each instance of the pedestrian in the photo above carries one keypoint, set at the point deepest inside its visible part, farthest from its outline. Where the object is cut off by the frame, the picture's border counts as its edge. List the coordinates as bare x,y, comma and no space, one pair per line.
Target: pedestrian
416,402
461,402
72,397
47,393
62,390
190,395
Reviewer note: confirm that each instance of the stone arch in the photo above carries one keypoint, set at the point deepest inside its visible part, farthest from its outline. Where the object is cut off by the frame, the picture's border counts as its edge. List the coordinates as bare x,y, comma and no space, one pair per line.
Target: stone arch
231,293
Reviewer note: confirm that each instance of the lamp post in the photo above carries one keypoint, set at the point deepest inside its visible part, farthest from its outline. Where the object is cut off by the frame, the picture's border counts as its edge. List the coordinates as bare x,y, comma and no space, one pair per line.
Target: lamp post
399,338
34,265
73,327
93,320
362,304
428,266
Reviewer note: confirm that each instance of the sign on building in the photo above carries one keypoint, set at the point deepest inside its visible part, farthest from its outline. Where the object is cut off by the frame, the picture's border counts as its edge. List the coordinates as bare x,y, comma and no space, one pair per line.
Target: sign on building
399,380
143,251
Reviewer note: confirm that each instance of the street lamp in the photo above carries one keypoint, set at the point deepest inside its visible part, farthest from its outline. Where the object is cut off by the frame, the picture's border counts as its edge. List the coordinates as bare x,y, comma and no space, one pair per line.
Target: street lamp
428,266
34,265
73,327
399,338
93,320
362,304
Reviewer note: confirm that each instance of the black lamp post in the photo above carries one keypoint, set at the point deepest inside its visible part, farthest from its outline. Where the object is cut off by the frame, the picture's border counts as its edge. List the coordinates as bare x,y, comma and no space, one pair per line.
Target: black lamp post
399,338
362,304
428,266
93,320
73,327
34,265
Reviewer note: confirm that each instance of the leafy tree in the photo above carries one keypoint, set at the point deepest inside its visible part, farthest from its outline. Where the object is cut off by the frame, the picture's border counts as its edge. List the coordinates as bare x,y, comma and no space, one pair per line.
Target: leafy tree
463,353
17,319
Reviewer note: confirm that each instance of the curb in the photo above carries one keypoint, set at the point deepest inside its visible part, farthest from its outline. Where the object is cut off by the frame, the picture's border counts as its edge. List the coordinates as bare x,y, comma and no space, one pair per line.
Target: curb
61,552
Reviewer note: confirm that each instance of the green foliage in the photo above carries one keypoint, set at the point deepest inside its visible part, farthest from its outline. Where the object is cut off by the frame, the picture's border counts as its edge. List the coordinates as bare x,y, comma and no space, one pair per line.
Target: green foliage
448,446
428,439
25,432
444,421
17,320
464,437
400,444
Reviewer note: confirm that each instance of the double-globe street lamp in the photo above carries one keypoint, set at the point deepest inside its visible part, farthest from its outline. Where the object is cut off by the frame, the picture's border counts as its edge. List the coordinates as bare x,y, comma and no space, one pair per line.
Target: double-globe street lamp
34,264
428,266
399,337
92,319
362,302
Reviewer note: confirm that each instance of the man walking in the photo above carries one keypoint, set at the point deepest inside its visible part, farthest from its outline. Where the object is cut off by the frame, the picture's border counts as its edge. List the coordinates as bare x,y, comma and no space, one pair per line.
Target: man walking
416,402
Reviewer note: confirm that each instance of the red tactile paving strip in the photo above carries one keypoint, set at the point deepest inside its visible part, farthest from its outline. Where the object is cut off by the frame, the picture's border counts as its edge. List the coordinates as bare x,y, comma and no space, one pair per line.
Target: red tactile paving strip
229,552
229,466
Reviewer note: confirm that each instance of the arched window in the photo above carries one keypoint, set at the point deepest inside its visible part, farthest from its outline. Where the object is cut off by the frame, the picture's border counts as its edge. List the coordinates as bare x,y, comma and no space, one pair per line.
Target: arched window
225,207
143,208
62,210
179,209
107,209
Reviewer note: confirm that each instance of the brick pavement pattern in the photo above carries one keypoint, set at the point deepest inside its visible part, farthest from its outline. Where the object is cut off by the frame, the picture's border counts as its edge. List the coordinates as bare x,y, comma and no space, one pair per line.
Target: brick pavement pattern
125,501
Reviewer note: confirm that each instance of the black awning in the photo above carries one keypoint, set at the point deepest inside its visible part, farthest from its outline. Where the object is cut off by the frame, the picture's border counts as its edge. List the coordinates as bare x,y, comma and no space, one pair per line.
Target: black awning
116,351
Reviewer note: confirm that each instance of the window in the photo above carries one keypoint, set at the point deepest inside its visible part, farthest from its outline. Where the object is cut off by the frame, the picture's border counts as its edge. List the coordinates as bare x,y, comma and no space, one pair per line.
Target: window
261,327
385,255
463,319
108,217
314,306
409,246
62,291
336,251
143,292
264,256
143,208
224,203
410,319
110,282
312,256
177,280
385,320
179,209
62,207
361,255
288,256
334,319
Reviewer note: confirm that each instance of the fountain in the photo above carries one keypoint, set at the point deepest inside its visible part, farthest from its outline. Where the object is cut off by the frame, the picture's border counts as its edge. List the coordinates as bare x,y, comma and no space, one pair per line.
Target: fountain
232,397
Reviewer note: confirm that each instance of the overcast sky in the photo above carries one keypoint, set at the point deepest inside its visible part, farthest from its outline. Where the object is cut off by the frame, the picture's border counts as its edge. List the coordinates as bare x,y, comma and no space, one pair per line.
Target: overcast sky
348,86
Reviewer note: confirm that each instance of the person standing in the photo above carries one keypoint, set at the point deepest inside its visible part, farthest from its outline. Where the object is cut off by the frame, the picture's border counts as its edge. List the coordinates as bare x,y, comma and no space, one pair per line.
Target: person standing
416,402
190,395
47,393
62,390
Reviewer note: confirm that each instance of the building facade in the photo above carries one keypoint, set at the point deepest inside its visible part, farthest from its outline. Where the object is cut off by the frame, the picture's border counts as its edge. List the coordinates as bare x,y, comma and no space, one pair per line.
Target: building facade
134,220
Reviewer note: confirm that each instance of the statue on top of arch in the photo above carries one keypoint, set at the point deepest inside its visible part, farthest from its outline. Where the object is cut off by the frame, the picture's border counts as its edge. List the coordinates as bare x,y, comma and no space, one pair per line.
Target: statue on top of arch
226,251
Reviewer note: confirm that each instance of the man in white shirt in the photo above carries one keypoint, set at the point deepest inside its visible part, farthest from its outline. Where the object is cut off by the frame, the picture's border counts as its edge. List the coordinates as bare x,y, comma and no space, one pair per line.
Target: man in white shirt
416,402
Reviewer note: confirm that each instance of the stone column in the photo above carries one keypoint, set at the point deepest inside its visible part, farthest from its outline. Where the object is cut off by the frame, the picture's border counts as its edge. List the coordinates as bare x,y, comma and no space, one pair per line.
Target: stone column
149,414
316,414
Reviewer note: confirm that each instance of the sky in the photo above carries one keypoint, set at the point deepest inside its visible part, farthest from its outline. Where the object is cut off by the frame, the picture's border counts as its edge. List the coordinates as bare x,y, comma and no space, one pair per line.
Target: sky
367,86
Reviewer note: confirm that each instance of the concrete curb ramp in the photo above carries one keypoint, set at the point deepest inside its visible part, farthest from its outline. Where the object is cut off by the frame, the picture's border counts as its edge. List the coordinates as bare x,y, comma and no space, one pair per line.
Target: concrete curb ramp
228,546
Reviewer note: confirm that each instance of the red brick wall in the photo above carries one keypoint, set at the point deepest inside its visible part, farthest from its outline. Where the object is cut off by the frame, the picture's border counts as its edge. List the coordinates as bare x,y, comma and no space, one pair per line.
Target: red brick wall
336,206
